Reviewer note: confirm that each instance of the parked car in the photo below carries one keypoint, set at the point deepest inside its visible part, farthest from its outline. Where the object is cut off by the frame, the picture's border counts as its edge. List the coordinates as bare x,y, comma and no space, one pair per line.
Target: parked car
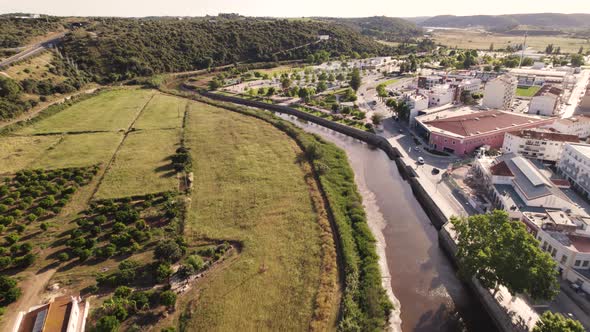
417,149
435,171
420,161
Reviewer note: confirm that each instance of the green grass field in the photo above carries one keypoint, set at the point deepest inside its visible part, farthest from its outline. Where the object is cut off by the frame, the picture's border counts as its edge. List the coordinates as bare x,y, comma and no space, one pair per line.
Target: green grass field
527,91
109,111
18,152
81,150
142,165
162,112
250,188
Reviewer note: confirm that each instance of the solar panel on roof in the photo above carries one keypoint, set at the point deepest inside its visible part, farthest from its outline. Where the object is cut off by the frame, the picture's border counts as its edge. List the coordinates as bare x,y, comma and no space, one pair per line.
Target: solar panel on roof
39,321
529,171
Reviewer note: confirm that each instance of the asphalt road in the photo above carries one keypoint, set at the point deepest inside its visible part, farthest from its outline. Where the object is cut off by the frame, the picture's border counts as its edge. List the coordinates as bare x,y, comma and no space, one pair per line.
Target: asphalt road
32,50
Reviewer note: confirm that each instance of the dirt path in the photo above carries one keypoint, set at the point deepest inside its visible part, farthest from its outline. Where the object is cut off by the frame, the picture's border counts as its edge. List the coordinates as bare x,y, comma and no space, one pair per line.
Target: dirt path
43,106
32,288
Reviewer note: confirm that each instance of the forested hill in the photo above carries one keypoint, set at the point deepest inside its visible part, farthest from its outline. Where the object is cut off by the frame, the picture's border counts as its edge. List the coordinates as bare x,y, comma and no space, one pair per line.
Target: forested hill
380,27
15,32
542,20
113,49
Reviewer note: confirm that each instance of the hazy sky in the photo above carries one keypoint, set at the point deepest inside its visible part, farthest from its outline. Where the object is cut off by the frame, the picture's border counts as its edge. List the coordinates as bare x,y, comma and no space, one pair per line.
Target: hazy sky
290,8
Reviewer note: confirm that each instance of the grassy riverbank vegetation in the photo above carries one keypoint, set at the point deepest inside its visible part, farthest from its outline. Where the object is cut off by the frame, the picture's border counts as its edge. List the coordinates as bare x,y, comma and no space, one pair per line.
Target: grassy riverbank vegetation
365,305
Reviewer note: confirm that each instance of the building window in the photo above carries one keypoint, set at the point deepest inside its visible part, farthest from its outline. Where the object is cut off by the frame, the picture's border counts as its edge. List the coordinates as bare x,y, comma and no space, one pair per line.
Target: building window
577,263
563,259
544,245
554,252
585,263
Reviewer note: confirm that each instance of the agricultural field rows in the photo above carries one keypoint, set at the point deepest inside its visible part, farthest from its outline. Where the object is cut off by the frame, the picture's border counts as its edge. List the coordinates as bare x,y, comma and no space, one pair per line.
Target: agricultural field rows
111,221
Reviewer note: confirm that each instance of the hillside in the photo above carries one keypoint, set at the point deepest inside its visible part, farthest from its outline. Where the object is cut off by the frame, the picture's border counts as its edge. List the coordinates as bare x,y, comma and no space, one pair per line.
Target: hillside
15,32
380,27
114,49
542,20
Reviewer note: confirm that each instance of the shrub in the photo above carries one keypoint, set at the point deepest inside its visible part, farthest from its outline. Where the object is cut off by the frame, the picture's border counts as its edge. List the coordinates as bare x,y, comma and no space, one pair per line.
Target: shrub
107,324
163,272
168,251
196,262
123,292
63,257
168,298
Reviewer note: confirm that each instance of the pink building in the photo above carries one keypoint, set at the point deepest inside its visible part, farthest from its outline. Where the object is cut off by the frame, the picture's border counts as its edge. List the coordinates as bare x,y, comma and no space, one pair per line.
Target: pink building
464,134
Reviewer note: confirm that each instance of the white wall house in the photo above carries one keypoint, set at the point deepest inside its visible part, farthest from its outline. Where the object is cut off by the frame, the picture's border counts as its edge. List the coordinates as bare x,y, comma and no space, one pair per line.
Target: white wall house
537,144
546,101
500,92
417,103
439,95
566,238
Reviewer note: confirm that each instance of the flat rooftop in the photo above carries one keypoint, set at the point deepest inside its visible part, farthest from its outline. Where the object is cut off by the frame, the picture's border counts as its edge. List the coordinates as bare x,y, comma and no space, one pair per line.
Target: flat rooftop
583,149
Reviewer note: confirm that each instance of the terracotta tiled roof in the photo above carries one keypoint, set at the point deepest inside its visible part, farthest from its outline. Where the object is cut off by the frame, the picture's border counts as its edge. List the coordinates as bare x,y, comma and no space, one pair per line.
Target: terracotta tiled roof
501,169
481,122
549,89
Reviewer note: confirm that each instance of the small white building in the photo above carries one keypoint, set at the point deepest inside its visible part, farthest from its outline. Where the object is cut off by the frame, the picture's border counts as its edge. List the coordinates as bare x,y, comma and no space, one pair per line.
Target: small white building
63,313
574,165
546,101
439,95
566,237
500,92
578,125
537,144
417,103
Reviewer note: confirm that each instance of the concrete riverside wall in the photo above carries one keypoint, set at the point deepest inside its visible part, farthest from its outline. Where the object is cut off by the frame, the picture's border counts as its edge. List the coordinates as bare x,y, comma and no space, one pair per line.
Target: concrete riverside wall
499,315
364,136
437,217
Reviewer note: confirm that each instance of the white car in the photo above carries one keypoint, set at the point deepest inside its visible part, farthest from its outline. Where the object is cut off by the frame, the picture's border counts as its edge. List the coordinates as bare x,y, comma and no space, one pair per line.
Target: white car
420,160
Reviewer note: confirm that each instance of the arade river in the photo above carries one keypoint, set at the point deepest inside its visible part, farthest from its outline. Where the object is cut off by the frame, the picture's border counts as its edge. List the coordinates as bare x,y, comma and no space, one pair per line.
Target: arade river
423,278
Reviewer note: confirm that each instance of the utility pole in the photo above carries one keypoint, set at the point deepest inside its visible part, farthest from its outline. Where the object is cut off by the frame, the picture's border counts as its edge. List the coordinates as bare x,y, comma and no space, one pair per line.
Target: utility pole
522,52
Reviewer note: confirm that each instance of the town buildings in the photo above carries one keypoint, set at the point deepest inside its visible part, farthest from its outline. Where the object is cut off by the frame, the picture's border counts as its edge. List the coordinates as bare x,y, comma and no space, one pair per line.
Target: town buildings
574,165
537,144
566,237
417,103
427,82
530,77
546,101
500,92
63,314
439,95
472,86
584,104
517,185
465,133
578,125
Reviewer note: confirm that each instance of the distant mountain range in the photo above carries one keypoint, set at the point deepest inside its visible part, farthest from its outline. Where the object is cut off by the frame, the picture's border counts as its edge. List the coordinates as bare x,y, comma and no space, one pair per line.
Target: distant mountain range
501,22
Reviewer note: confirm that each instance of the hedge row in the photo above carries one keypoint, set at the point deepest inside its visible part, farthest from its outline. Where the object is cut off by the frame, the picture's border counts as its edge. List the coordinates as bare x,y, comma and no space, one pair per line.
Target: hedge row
365,305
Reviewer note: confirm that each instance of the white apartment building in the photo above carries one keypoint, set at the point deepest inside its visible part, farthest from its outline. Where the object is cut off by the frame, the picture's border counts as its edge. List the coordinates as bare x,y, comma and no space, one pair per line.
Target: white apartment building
574,165
417,103
439,95
500,92
566,237
546,101
578,125
537,144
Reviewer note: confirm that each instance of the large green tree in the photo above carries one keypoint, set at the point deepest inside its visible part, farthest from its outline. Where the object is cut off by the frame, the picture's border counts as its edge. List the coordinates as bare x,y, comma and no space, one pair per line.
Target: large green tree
9,291
498,251
555,322
355,80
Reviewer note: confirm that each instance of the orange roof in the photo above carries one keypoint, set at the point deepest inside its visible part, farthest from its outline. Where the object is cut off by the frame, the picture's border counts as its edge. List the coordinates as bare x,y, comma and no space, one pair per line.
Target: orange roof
59,314
481,122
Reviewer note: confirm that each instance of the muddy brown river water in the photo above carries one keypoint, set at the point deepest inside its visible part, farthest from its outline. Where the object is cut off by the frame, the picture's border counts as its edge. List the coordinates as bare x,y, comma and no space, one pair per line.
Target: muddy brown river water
423,278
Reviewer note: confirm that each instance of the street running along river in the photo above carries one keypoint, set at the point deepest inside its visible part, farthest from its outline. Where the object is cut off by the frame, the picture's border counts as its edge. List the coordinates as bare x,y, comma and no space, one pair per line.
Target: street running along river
421,275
